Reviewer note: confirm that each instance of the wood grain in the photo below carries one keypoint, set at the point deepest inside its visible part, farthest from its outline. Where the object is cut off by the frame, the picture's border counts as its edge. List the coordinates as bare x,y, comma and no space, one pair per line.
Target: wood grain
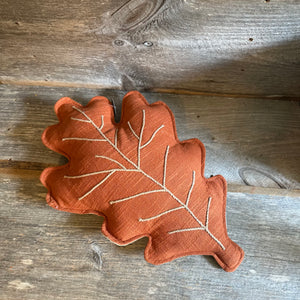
253,142
232,47
57,255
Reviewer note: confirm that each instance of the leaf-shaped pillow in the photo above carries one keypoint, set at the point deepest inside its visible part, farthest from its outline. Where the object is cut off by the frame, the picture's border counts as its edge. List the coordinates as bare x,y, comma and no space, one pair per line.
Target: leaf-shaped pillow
140,177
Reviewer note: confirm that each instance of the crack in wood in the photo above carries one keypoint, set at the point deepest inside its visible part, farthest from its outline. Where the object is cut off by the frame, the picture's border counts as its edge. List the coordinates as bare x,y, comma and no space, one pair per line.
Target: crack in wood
96,256
244,170
23,165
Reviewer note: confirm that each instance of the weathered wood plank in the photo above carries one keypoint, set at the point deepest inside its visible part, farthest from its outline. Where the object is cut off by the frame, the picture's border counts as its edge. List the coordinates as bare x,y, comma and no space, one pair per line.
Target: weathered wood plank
214,46
252,142
57,255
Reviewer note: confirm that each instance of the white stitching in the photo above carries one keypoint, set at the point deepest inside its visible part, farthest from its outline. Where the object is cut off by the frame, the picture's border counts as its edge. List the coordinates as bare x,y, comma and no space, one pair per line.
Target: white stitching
161,214
152,137
111,159
97,185
102,123
80,120
100,172
165,165
90,174
134,196
191,188
187,229
207,212
82,139
140,140
133,132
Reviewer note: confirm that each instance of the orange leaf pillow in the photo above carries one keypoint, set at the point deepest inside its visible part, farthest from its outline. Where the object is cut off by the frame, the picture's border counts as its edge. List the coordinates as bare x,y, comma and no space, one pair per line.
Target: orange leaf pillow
140,177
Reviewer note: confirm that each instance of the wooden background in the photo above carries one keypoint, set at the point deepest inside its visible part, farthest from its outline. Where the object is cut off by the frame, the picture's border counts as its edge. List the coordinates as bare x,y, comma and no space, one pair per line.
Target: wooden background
213,46
225,68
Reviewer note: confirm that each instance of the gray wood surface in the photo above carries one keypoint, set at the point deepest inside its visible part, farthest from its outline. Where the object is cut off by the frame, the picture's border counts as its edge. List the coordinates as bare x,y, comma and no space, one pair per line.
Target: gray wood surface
231,47
49,254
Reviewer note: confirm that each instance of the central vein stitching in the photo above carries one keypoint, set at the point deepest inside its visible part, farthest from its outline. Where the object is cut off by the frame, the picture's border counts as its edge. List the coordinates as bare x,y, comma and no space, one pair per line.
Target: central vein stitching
137,168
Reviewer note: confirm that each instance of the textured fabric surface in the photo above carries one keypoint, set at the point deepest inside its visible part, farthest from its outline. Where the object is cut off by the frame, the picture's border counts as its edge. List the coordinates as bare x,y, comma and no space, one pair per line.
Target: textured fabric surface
140,177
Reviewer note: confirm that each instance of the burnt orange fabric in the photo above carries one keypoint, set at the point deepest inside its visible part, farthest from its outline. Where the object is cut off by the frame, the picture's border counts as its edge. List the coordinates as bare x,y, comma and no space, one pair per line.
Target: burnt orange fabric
140,177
